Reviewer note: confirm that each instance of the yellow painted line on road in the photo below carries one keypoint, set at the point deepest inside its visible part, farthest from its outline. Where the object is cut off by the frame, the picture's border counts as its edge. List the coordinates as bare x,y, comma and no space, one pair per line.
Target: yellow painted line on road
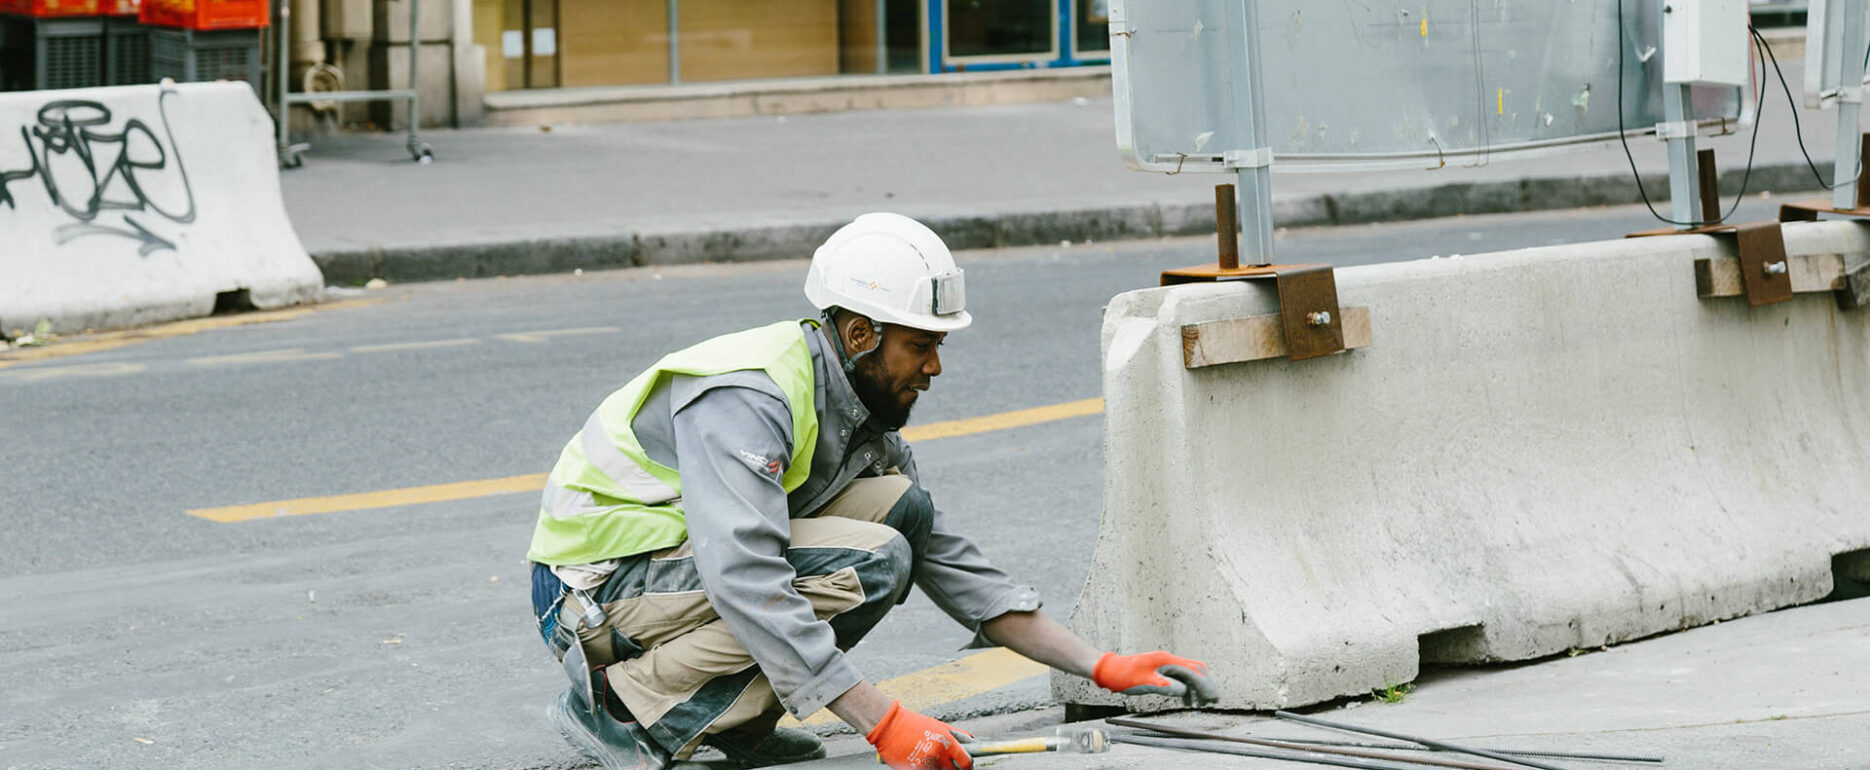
466,490
264,357
103,341
395,347
1004,420
545,336
42,374
947,683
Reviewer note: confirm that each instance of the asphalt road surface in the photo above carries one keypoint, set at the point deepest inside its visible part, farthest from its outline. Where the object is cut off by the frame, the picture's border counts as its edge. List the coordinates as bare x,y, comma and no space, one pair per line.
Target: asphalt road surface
135,634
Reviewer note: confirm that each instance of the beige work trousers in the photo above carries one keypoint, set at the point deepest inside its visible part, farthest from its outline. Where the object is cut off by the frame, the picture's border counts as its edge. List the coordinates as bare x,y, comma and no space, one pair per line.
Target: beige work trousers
692,678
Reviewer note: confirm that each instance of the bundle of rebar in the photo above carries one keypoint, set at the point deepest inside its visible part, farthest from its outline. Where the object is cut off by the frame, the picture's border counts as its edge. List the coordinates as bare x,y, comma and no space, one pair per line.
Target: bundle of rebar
1344,754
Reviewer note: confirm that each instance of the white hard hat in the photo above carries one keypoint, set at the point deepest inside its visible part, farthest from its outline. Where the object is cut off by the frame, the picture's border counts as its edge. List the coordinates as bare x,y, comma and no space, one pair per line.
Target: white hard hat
891,269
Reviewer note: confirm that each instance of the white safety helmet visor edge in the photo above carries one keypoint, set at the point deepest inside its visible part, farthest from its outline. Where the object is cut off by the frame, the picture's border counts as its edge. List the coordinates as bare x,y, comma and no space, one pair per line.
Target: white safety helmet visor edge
893,270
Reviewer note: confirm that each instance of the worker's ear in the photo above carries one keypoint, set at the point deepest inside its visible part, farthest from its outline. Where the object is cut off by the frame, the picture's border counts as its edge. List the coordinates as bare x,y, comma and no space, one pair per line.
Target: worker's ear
859,335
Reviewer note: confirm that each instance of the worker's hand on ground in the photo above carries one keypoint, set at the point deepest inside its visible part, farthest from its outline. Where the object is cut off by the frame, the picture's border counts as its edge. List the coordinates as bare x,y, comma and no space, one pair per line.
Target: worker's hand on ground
1156,673
906,740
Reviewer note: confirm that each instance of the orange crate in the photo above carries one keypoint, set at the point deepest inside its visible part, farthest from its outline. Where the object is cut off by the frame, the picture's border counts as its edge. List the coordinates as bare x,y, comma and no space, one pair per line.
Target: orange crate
47,8
205,14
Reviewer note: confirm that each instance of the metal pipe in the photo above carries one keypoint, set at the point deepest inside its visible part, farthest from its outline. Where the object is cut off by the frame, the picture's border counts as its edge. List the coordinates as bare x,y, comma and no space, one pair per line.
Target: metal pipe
1347,752
1434,744
415,59
1249,100
1213,748
675,43
1684,174
282,41
1850,102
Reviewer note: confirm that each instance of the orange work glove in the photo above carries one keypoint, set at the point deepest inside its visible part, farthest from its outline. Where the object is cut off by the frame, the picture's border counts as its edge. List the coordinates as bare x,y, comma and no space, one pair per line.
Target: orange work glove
1155,673
906,740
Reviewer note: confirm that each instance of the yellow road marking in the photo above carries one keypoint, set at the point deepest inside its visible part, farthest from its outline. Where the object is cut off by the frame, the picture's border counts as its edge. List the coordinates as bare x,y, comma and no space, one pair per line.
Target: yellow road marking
464,490
947,683
534,482
1004,420
265,357
542,336
98,343
76,370
400,346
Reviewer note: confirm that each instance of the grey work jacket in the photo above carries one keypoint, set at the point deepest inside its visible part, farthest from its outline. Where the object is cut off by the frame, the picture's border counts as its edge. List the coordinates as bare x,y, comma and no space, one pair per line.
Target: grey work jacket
738,516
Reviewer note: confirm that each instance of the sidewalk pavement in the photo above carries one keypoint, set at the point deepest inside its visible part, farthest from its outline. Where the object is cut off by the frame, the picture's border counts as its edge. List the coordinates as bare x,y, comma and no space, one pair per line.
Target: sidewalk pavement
1780,691
500,201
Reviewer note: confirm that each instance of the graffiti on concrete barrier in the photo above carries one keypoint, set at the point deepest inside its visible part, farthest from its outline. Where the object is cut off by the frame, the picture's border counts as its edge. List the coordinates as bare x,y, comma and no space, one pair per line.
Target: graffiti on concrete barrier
121,182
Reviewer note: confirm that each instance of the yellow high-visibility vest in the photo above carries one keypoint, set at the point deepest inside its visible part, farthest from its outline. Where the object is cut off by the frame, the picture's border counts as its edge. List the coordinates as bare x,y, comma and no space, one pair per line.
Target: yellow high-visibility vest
607,499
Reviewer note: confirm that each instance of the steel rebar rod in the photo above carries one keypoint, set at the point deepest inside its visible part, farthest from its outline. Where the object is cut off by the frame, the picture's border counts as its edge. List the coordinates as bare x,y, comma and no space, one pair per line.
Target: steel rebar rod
1429,742
1347,752
1210,747
1520,752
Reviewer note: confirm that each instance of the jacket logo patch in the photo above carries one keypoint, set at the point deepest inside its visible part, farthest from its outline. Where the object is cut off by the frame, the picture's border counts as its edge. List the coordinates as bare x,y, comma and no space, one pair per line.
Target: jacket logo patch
771,467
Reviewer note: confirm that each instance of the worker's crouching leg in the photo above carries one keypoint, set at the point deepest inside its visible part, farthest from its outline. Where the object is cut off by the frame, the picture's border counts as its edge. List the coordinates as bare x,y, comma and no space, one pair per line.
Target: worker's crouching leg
692,678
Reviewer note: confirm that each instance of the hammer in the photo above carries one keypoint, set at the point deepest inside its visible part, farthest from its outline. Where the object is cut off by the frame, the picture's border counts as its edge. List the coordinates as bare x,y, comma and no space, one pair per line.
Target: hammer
1070,740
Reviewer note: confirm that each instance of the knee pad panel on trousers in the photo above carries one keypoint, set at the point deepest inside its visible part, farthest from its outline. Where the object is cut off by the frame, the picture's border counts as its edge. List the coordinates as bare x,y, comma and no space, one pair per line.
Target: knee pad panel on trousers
913,516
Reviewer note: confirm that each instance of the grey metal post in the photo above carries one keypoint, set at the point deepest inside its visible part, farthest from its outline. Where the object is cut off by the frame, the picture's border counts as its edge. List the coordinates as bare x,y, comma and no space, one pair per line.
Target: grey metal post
282,76
1850,102
1255,182
675,44
883,38
1684,172
415,59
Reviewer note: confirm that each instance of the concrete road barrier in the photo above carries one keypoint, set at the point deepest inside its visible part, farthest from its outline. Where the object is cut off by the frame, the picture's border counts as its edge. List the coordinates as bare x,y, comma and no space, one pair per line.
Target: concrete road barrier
1541,451
130,205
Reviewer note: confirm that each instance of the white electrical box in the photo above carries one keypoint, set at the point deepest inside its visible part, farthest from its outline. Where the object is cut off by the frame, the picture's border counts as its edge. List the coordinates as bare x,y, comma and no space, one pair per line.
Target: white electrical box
1705,42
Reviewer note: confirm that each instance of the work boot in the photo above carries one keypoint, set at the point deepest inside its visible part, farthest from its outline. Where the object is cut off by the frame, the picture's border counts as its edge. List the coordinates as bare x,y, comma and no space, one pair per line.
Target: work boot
760,748
615,744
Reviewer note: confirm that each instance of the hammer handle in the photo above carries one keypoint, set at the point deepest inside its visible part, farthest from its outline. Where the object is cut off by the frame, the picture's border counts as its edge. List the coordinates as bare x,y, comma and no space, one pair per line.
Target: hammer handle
1021,746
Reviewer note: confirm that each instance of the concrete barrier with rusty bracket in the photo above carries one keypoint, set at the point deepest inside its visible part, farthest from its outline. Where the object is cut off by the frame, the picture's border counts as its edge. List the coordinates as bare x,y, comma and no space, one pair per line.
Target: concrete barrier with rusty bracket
136,204
1539,450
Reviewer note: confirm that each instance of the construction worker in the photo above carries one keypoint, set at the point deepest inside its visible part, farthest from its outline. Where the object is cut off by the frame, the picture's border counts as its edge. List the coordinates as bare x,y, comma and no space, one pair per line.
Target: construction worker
731,521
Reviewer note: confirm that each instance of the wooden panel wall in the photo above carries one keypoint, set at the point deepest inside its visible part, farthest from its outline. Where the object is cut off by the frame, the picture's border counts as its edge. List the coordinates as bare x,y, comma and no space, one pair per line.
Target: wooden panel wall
615,42
857,36
740,39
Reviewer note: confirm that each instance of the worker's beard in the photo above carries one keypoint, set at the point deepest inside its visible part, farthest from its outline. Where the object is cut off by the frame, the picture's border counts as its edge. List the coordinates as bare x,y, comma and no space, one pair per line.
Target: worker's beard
867,379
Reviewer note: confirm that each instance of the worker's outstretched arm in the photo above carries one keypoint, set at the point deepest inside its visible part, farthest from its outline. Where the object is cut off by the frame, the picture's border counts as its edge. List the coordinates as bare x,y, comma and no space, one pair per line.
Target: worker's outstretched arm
1037,636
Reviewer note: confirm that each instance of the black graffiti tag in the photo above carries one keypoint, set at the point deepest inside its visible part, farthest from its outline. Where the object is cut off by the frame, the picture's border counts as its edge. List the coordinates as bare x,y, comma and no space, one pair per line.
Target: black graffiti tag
89,171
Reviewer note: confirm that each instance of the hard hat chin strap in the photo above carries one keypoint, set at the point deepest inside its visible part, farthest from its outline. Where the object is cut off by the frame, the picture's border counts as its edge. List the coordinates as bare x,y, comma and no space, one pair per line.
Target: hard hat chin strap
850,362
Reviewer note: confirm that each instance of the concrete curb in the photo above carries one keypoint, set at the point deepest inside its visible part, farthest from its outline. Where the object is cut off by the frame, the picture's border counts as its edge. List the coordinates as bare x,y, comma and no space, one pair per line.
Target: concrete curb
980,230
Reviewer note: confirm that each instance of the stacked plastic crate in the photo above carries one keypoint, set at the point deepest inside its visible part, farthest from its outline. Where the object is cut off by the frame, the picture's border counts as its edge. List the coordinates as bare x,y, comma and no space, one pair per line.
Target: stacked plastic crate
199,40
51,44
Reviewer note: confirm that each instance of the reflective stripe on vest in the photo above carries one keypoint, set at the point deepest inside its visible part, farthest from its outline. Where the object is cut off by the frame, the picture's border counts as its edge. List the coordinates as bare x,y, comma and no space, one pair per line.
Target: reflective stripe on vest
606,498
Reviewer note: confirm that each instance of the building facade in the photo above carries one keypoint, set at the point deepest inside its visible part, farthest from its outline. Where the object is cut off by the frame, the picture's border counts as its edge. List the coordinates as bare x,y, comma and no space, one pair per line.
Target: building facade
547,44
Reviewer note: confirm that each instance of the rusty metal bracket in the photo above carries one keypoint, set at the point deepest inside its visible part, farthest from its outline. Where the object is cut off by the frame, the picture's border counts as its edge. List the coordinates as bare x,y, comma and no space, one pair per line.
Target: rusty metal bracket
1765,273
1311,320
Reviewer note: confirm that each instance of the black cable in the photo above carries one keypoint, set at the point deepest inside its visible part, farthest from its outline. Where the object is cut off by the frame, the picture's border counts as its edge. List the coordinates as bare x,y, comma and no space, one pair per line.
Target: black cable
1745,178
1797,131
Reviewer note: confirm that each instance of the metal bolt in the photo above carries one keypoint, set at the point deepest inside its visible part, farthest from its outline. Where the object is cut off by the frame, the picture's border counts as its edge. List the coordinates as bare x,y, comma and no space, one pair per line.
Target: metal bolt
1319,318
1776,268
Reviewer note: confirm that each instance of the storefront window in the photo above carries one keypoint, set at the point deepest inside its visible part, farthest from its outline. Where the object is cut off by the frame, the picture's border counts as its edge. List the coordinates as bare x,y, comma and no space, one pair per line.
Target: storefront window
1092,34
1001,29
